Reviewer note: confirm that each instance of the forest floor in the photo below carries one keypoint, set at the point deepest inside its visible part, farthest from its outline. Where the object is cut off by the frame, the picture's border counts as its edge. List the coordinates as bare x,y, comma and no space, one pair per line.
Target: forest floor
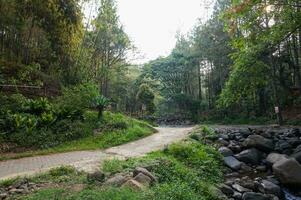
90,160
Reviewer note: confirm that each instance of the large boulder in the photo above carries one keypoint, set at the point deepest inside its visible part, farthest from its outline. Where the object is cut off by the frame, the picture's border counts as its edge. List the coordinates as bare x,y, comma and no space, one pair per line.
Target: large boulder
232,162
259,142
250,156
274,157
288,171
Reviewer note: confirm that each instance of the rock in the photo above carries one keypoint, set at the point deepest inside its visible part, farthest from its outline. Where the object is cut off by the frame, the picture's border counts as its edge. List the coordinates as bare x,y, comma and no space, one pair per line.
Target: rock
254,196
275,157
282,145
144,171
245,168
295,132
261,168
15,190
259,142
232,162
297,156
237,195
223,142
268,187
117,180
295,141
96,176
227,190
250,156
246,182
3,195
298,149
288,171
240,189
225,151
143,179
133,185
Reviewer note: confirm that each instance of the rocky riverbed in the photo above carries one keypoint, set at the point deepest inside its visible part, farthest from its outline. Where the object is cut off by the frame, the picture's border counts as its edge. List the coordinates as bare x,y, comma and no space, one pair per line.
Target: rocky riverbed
263,163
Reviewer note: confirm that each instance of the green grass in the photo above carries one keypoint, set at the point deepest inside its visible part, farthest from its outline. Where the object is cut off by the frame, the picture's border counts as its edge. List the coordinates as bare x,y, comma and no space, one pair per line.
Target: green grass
186,170
115,129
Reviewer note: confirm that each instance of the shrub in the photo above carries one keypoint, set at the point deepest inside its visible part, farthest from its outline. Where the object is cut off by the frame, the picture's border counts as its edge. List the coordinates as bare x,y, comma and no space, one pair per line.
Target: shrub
76,100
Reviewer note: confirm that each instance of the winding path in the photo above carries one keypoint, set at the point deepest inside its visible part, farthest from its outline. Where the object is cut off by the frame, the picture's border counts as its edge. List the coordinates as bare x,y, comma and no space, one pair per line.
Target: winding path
90,160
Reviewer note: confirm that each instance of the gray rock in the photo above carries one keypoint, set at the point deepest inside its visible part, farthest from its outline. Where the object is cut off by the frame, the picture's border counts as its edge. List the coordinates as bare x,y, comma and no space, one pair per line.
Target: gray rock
261,168
232,162
117,180
225,151
96,176
298,149
144,171
288,171
135,185
268,187
259,142
237,195
250,156
240,188
295,141
223,142
143,179
297,156
254,196
3,195
227,190
275,157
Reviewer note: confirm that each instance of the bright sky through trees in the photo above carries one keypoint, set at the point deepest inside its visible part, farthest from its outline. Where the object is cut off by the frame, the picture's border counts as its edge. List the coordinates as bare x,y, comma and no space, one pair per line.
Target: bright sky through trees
153,24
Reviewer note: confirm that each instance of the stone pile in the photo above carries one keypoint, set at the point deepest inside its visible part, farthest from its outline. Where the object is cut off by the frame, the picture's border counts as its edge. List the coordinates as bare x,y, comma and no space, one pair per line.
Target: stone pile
19,187
139,179
262,163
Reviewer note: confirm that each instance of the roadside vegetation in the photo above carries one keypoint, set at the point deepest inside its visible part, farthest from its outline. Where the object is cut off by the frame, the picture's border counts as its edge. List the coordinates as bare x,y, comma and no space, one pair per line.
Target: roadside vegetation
186,170
67,123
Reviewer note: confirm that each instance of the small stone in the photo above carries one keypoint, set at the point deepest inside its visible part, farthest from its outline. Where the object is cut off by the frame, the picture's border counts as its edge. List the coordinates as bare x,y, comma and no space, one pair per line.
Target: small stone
232,162
3,195
133,185
96,176
143,179
240,189
144,171
268,187
117,180
227,190
261,168
254,196
225,151
237,195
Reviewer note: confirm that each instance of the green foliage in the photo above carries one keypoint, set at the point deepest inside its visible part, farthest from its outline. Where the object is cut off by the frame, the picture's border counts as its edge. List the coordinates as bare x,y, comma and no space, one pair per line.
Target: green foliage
75,100
145,96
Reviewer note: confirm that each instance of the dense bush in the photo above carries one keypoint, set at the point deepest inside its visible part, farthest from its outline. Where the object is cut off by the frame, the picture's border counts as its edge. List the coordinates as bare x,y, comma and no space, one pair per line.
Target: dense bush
41,123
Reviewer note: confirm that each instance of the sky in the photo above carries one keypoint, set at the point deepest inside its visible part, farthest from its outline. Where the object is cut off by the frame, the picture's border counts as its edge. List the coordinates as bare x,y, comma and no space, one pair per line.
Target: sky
153,24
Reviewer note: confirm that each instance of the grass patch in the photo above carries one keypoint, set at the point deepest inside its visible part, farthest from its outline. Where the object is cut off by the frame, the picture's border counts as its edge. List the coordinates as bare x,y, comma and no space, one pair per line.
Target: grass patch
186,170
114,129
